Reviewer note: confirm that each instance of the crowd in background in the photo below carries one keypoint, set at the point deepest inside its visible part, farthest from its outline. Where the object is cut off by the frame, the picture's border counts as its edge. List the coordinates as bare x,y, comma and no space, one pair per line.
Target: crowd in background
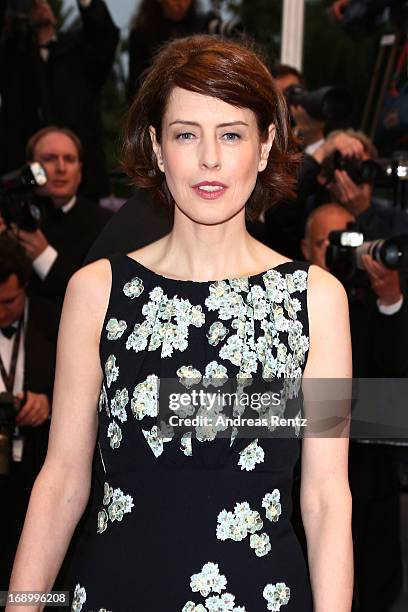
51,86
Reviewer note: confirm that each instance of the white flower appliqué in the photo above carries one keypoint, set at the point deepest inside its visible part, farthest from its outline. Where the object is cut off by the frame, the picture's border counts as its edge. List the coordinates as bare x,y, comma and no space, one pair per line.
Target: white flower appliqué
271,502
251,455
118,504
236,525
158,324
133,288
114,434
144,401
118,404
115,329
157,437
79,598
276,595
111,370
209,580
260,543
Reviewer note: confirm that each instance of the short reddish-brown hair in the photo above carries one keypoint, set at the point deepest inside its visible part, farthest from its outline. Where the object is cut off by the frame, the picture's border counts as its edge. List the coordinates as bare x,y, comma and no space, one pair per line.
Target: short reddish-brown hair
51,129
231,72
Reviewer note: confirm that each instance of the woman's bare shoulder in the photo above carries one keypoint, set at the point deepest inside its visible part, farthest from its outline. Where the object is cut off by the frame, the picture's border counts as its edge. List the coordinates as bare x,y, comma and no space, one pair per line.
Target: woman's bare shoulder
89,288
324,288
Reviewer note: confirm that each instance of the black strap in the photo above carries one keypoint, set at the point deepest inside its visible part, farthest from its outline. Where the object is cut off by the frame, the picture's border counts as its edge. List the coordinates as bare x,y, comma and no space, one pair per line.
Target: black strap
9,378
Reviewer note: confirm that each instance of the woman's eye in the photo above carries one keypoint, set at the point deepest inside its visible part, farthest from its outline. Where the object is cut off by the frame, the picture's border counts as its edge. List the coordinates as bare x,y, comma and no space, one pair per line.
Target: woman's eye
231,136
185,136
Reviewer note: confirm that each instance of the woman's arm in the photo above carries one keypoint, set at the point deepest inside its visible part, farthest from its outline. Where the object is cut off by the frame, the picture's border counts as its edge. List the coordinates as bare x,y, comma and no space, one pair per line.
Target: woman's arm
61,490
325,495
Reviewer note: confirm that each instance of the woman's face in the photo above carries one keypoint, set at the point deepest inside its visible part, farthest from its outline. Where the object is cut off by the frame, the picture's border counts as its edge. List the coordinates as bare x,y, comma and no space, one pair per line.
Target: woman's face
211,154
175,9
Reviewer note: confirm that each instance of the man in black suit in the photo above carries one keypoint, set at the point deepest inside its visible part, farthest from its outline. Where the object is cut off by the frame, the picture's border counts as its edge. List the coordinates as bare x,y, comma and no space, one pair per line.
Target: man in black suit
379,336
28,334
49,77
72,224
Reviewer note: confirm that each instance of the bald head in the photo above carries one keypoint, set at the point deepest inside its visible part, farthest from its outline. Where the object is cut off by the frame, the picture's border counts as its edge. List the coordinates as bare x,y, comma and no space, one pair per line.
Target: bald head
320,223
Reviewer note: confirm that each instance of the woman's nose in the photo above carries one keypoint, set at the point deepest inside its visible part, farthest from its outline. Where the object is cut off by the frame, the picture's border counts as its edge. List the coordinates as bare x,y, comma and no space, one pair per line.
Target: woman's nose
210,154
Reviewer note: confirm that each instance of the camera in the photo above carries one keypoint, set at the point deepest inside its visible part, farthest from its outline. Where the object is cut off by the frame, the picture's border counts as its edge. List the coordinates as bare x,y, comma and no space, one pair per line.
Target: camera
346,248
227,28
358,170
18,202
9,407
324,104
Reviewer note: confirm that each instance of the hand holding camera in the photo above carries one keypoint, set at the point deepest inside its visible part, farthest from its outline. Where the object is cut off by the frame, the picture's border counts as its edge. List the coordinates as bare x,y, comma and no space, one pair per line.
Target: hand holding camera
384,282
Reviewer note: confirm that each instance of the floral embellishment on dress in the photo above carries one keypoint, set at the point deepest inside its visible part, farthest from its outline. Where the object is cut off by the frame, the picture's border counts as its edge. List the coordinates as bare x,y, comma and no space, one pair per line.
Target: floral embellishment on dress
236,525
251,455
118,404
133,288
271,502
260,543
276,595
157,437
297,281
118,504
189,376
103,401
209,580
111,370
79,598
115,329
159,326
215,374
192,607
185,444
144,401
216,333
114,434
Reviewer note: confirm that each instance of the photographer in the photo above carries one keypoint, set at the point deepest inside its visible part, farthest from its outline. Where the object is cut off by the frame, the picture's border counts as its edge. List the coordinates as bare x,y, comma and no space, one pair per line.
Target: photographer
286,222
379,333
71,223
28,333
51,77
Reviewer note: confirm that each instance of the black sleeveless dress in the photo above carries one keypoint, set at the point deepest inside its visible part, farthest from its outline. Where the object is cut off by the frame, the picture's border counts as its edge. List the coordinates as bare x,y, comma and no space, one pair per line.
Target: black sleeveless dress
194,522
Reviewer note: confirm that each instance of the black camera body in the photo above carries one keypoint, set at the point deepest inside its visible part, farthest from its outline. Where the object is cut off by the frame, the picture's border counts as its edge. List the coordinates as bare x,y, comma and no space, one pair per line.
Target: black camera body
346,248
9,407
19,203
358,170
324,104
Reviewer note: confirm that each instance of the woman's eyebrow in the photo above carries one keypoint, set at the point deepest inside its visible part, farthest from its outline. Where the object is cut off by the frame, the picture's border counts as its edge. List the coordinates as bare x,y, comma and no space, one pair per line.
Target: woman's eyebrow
229,124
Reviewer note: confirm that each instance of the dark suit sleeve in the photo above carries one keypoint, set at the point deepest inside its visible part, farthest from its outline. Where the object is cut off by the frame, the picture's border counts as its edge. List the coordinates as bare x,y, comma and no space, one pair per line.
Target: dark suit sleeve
72,252
101,37
390,333
140,50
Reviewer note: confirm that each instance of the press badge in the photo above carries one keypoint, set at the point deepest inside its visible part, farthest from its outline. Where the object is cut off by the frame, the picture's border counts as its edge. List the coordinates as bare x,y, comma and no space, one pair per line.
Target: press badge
18,447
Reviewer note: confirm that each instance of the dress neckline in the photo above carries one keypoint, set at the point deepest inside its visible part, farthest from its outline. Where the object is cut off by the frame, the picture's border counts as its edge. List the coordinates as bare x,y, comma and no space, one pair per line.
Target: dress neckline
206,282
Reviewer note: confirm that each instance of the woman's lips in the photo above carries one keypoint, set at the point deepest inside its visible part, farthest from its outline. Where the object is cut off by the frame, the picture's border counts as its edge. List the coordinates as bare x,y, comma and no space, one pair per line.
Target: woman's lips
209,190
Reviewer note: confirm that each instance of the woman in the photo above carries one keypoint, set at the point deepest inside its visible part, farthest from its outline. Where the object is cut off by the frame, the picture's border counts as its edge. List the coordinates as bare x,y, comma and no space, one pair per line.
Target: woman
199,521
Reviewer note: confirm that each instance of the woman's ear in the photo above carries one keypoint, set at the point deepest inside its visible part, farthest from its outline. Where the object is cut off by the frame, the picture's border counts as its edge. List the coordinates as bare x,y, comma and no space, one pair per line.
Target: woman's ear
266,147
156,148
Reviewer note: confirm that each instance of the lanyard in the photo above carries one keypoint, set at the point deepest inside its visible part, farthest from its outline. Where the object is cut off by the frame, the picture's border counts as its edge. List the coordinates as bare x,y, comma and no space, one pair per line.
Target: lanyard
10,377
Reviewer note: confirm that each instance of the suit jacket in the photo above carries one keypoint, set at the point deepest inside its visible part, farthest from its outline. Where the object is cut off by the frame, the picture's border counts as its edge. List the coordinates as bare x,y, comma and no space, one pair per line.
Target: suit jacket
72,235
65,90
39,367
139,222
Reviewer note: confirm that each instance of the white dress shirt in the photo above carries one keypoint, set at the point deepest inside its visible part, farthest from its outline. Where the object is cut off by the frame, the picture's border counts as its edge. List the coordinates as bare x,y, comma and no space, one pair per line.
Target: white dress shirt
6,349
44,262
